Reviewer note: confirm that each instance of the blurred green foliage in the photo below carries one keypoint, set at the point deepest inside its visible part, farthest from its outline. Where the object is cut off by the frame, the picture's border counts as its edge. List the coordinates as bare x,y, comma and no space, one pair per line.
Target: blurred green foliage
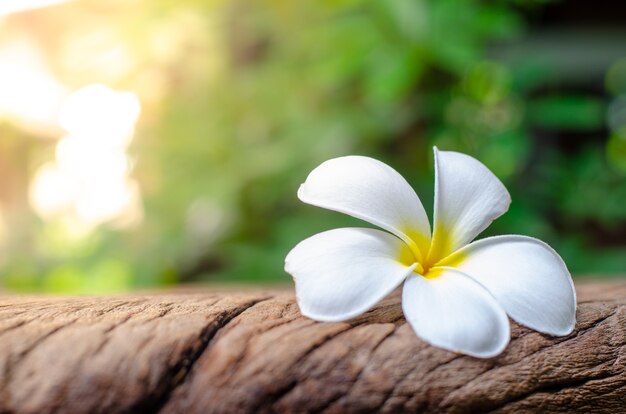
261,92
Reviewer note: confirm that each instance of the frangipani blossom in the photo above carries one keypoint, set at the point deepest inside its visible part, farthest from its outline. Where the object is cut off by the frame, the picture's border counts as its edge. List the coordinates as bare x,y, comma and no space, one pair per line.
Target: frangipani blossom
457,293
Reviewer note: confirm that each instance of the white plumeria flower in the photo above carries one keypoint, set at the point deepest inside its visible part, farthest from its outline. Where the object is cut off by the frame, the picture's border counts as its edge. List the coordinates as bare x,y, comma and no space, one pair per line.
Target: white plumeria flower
456,294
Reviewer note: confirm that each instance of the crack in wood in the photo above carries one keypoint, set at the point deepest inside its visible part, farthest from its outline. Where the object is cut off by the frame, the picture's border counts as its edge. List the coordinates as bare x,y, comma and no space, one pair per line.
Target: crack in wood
552,389
360,373
177,374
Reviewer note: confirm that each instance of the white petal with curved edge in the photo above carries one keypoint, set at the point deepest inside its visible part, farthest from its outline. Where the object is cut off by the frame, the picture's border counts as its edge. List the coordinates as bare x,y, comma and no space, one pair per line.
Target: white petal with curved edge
369,190
342,273
527,277
454,312
468,197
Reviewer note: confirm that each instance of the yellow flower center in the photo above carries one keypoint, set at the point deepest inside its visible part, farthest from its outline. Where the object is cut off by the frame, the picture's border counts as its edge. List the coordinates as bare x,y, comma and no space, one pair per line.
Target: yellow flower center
427,255
409,257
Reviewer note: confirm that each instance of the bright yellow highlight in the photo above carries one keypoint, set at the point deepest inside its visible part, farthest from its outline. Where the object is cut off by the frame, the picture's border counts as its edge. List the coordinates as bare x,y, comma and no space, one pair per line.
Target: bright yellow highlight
438,253
406,256
421,241
441,245
434,273
453,260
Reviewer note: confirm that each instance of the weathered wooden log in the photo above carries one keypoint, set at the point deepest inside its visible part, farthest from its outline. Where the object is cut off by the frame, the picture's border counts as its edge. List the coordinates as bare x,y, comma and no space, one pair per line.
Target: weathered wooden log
207,352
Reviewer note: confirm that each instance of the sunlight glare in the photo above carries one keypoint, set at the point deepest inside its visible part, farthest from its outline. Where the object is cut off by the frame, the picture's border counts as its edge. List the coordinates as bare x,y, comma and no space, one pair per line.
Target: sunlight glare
106,200
90,160
89,183
15,6
98,113
29,94
53,191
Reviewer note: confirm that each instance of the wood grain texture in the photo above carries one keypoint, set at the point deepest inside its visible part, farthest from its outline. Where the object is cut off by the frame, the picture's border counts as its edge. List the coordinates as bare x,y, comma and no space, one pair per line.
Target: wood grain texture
209,352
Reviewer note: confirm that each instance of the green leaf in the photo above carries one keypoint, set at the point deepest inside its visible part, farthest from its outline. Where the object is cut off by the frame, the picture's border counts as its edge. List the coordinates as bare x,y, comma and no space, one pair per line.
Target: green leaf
567,112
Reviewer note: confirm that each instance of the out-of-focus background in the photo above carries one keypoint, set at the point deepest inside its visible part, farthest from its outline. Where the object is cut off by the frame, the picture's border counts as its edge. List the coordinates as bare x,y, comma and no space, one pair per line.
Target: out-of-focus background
154,142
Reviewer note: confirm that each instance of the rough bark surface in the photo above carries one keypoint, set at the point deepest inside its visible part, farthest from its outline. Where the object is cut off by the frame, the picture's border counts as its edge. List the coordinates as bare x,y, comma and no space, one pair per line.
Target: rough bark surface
208,352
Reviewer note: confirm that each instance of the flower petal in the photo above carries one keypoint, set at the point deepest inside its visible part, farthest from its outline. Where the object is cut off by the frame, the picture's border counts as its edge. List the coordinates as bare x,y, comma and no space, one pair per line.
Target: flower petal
527,277
454,312
342,273
372,191
468,197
